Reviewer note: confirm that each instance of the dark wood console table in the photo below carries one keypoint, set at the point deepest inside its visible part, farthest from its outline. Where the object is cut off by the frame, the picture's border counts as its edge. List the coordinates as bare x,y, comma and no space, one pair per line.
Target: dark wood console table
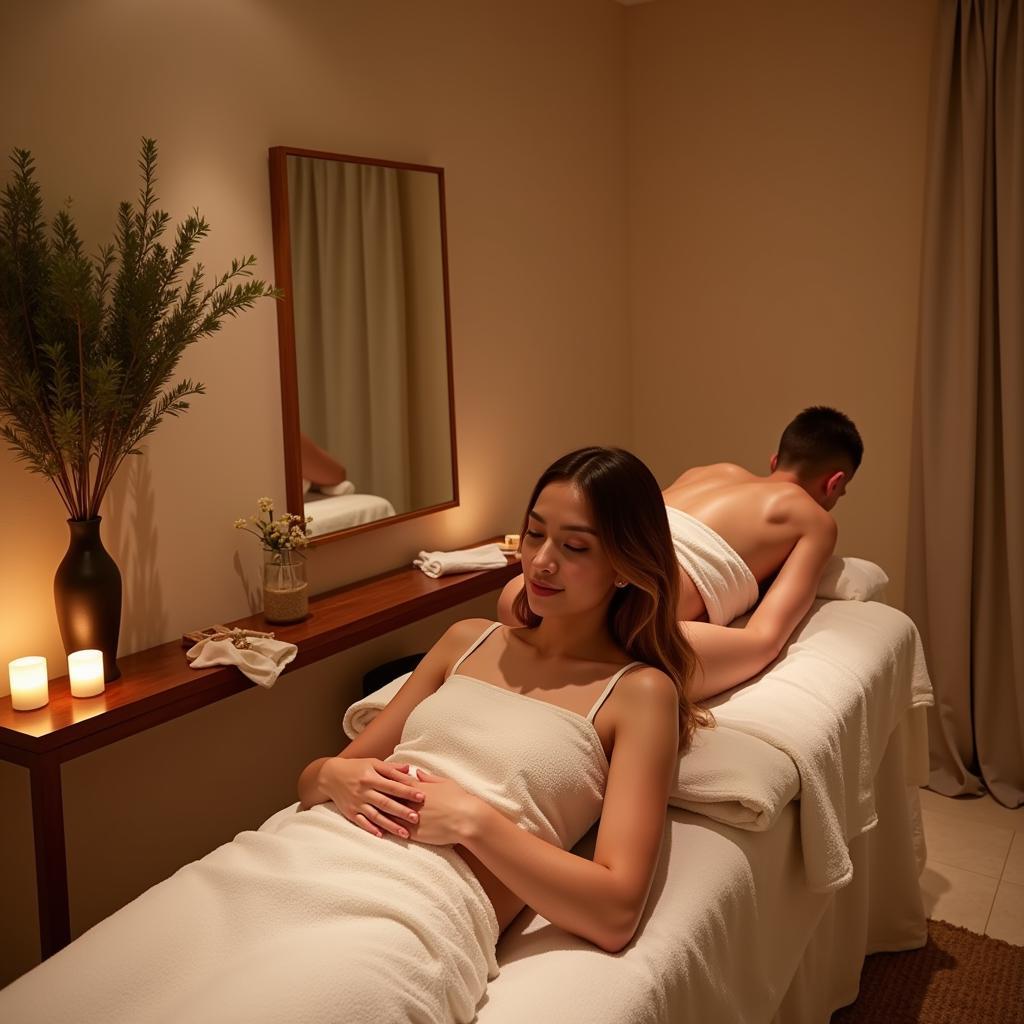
157,685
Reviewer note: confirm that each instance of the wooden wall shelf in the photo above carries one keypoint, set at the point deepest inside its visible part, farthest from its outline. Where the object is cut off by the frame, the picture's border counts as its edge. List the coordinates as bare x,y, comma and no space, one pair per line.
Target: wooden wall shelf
158,685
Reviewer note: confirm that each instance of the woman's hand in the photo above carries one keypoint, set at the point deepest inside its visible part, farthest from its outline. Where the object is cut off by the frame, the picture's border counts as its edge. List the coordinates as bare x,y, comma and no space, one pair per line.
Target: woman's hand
376,795
448,814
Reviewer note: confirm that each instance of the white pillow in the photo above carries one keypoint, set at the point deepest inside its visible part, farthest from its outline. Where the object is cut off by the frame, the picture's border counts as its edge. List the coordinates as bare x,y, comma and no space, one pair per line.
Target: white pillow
345,487
852,579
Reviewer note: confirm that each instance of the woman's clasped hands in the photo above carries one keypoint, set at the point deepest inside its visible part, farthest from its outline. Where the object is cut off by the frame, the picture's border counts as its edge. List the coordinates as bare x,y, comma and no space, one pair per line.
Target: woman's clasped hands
381,796
373,794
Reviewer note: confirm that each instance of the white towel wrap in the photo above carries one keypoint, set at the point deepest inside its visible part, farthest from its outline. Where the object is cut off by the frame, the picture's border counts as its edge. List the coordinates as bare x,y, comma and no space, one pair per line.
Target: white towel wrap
723,579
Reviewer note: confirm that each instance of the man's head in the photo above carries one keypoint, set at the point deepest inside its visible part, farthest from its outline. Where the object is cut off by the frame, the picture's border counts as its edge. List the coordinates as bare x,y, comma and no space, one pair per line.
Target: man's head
822,449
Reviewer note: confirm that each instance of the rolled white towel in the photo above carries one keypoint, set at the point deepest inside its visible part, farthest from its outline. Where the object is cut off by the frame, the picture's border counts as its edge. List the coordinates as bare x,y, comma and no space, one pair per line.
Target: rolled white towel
444,563
852,579
345,487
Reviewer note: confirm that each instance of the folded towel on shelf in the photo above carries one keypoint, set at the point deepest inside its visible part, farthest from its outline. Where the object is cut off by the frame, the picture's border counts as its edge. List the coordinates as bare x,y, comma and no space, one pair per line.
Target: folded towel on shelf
444,563
261,659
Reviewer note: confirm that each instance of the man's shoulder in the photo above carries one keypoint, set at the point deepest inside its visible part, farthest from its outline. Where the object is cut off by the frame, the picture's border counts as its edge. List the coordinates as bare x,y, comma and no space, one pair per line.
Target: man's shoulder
791,502
727,472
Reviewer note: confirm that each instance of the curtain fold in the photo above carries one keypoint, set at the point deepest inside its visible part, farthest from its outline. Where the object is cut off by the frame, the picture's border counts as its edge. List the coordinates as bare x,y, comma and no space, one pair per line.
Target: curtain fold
965,573
350,319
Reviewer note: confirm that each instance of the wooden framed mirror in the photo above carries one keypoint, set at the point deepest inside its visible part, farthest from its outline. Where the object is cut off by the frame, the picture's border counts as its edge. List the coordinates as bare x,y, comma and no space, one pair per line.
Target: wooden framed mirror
364,337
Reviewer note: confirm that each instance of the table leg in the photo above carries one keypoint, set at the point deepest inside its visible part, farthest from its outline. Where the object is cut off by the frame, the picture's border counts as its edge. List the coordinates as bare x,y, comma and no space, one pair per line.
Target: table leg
51,857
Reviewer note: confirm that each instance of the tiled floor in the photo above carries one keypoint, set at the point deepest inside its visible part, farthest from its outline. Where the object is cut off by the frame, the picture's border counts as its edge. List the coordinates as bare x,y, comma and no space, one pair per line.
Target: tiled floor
975,871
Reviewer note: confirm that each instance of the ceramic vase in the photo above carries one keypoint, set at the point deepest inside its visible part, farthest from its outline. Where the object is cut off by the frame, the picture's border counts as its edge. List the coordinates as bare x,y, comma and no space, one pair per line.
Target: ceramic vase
87,596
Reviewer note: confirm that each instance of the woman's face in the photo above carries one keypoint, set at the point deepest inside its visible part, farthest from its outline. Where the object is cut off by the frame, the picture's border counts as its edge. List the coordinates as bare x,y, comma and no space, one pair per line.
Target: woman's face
564,564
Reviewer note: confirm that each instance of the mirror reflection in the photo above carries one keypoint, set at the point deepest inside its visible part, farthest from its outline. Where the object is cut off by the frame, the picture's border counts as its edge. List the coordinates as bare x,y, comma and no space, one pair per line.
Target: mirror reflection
372,437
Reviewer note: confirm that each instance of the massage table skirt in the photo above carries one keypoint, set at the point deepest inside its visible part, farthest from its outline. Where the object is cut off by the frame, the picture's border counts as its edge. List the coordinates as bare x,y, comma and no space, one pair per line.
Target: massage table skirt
732,933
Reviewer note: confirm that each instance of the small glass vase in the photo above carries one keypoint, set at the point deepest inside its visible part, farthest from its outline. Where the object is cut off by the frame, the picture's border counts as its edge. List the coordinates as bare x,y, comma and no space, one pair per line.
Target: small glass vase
285,590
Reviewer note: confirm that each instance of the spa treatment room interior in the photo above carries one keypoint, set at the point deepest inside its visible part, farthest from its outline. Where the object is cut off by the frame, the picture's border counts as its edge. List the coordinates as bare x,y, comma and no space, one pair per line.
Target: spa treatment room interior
442,245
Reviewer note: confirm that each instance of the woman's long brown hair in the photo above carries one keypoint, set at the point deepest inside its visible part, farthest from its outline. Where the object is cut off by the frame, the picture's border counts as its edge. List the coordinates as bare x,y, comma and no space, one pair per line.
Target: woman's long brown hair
631,522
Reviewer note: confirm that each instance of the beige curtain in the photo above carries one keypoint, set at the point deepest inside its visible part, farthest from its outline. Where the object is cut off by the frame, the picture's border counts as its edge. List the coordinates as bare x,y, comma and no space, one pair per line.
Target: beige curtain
965,574
350,319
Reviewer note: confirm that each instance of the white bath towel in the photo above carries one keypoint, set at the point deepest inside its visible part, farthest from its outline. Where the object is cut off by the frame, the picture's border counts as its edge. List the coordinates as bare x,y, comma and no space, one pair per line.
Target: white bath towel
726,775
262,661
734,778
309,919
723,579
847,679
444,563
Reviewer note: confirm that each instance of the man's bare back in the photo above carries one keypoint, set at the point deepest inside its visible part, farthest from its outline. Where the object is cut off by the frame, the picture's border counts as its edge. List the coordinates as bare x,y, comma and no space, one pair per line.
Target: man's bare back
761,518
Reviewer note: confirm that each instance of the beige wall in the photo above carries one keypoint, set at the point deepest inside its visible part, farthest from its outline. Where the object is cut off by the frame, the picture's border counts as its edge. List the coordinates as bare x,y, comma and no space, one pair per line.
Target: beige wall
776,164
523,105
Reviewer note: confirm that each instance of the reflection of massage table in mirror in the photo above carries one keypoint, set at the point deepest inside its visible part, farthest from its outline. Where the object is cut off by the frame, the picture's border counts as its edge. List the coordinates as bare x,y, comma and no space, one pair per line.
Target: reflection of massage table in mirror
763,906
333,512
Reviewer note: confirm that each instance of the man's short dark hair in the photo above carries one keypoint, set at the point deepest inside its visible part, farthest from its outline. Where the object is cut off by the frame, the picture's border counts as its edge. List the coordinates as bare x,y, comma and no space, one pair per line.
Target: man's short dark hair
819,437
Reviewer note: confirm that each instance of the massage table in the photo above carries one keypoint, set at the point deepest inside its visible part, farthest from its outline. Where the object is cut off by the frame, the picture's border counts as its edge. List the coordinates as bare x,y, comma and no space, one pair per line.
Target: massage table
792,849
333,512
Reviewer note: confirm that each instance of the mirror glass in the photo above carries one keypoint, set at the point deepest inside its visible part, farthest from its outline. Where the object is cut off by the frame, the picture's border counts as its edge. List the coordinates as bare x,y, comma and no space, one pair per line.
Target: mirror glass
366,388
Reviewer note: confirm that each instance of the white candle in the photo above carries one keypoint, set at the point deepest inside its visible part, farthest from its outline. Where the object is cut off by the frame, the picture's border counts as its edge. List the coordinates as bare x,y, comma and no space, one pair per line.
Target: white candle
29,688
85,669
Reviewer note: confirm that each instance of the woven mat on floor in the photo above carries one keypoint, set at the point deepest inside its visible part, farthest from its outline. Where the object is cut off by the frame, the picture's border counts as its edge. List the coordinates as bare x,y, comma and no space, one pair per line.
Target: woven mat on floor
959,977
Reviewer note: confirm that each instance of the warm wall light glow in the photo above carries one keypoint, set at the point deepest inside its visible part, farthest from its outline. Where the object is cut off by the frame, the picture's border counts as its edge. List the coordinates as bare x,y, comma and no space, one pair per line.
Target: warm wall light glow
29,688
85,668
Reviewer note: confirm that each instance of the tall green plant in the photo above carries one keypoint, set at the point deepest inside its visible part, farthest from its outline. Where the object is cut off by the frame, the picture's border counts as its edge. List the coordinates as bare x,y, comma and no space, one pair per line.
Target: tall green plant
89,344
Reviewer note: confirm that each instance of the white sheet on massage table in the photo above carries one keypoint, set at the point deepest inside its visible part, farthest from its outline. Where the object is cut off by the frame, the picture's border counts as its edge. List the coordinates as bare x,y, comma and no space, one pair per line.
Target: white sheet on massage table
726,926
340,511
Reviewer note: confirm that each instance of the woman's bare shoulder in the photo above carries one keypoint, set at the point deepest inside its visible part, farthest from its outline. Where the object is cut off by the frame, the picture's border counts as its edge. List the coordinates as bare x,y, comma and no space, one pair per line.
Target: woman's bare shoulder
646,713
647,690
454,642
464,632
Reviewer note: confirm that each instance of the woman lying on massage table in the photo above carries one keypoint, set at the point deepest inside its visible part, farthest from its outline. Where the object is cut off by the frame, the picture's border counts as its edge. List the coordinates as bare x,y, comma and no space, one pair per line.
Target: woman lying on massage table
539,724
459,803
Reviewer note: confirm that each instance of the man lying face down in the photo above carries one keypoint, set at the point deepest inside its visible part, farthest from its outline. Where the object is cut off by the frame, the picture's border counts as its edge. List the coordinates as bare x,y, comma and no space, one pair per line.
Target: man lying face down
737,534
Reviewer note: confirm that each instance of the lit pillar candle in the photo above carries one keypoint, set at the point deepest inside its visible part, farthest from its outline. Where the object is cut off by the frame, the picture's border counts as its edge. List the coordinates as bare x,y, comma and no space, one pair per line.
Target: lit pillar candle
85,668
29,688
